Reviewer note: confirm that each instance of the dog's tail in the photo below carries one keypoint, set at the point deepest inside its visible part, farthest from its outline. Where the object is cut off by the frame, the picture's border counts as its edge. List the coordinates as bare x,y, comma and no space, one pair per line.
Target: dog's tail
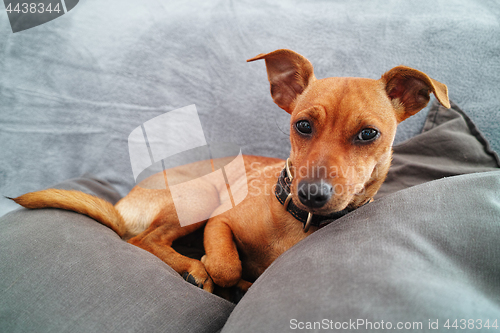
83,203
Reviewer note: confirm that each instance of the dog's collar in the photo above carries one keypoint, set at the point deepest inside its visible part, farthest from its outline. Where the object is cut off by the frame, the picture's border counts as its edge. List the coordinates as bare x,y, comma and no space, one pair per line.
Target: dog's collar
284,196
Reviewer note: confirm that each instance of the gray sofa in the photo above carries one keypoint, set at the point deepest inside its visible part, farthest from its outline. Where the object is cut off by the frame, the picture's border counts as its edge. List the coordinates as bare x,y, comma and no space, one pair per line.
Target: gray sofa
425,252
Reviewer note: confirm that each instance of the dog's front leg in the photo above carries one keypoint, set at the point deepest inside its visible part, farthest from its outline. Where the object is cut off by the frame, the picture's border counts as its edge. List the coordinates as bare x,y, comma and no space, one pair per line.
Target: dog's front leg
221,260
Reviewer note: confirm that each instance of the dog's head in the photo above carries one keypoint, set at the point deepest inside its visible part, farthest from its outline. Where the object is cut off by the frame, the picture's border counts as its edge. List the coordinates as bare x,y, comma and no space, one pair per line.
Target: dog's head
342,129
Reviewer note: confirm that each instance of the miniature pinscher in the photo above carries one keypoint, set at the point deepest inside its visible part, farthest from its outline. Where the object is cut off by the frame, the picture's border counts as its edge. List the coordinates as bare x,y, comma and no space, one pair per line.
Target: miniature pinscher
341,133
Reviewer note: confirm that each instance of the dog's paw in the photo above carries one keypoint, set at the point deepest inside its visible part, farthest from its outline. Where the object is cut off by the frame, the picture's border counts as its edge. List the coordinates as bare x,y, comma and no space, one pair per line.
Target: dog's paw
235,293
191,279
223,271
200,278
240,290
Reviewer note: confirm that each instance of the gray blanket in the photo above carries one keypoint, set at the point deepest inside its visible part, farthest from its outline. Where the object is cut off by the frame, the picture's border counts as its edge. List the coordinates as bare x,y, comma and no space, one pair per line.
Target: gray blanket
73,89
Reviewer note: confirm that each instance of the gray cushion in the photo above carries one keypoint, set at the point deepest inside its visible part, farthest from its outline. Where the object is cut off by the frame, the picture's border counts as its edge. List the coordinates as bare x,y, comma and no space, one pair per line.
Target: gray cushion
64,272
450,144
426,253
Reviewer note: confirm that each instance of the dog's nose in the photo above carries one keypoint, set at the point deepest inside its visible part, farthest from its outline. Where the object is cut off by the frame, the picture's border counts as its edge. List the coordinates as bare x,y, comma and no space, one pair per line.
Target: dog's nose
314,194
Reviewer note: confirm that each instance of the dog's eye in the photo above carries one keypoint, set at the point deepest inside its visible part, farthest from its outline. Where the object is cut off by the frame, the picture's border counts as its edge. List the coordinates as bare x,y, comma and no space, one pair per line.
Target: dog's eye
303,126
367,134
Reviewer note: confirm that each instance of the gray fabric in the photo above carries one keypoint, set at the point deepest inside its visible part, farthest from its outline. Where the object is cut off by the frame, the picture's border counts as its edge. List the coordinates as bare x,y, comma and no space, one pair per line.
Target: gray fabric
449,145
64,272
423,254
74,88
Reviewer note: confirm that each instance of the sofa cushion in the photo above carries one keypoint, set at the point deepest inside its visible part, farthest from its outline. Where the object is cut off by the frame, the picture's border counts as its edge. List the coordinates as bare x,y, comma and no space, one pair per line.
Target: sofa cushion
427,255
64,272
450,144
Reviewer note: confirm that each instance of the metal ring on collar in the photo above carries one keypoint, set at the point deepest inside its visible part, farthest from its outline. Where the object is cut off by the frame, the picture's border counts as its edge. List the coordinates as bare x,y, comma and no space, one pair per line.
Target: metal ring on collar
308,222
287,201
288,173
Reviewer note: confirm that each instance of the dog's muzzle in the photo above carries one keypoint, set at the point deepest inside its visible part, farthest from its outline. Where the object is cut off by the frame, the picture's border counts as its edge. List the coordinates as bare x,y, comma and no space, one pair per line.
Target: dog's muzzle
320,197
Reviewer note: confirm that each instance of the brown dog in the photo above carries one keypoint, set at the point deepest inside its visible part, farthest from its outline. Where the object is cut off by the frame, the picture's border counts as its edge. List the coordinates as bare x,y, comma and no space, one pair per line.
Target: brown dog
341,133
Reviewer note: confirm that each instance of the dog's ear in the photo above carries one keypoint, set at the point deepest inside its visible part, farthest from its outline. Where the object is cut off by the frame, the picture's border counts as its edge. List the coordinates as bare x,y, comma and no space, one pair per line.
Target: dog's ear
409,90
289,74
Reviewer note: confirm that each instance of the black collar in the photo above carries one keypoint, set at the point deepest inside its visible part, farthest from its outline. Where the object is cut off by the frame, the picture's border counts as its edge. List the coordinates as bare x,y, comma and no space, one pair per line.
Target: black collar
284,196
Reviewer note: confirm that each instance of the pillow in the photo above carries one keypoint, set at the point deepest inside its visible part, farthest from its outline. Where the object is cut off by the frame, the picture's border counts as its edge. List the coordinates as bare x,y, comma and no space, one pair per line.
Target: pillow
63,271
450,144
419,258
427,255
